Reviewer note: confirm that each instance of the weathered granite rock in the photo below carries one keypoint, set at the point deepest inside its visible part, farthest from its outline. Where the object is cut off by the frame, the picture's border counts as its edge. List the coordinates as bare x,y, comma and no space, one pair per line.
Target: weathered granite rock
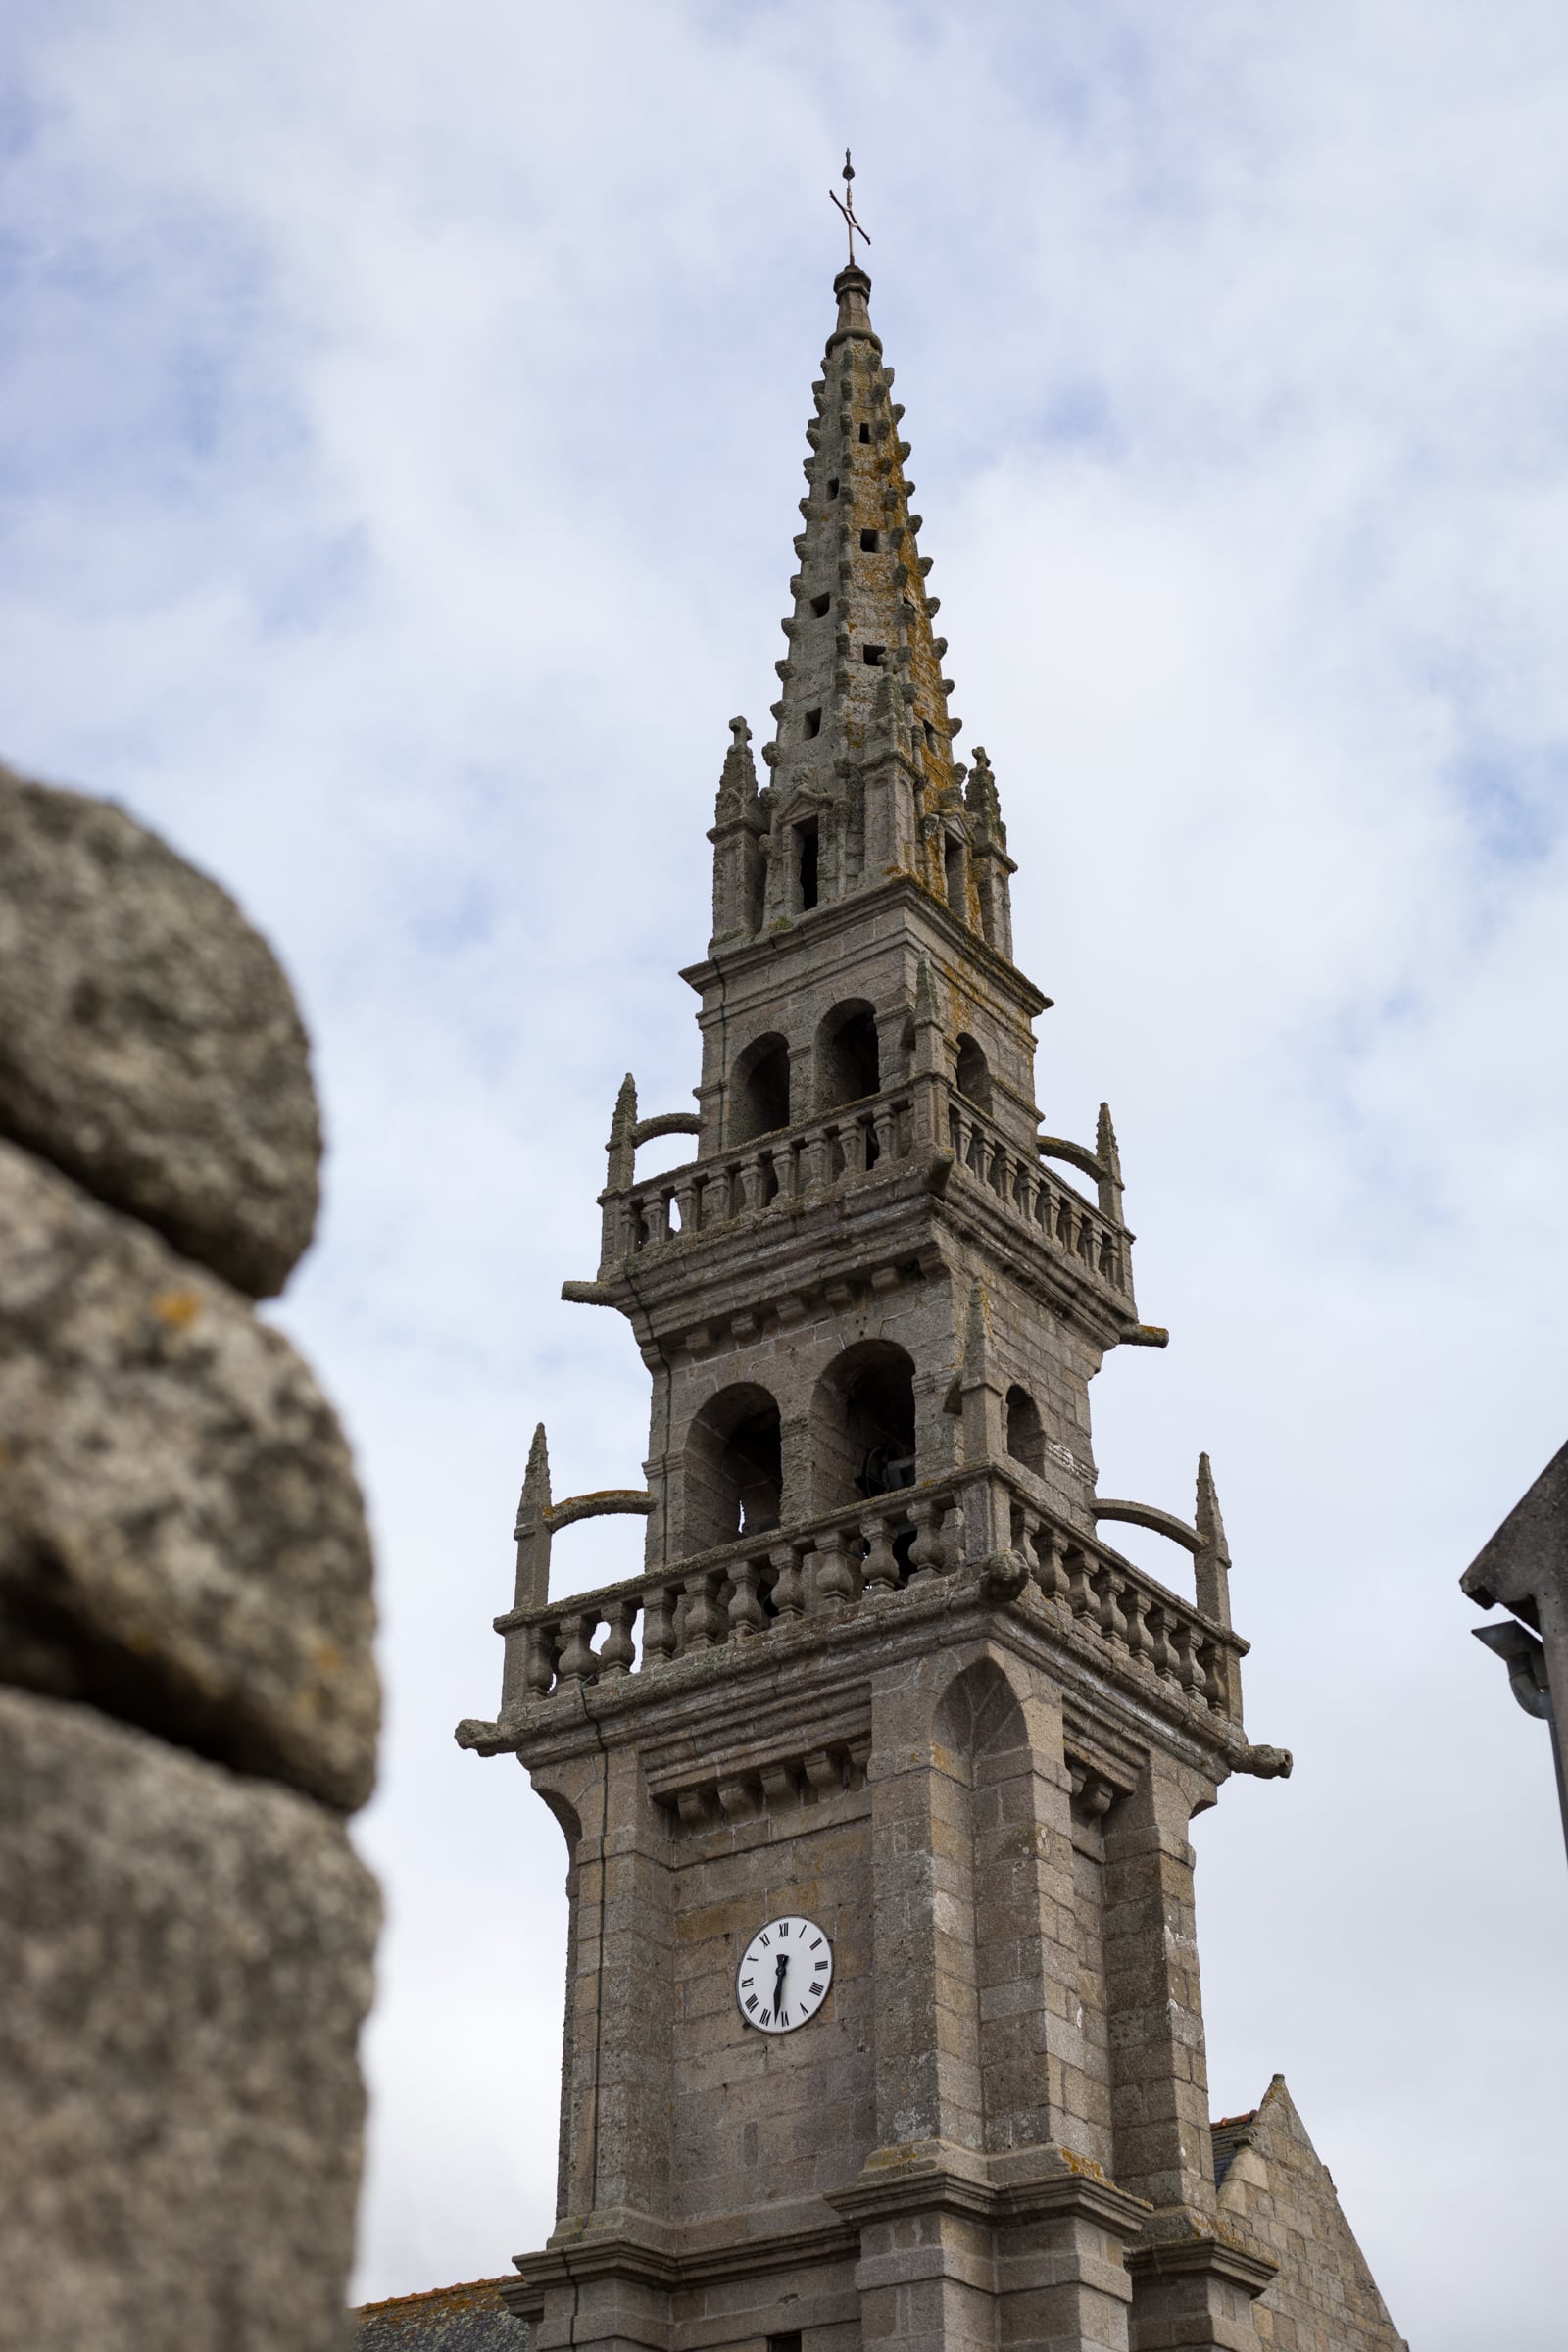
150,1046
182,1540
186,1961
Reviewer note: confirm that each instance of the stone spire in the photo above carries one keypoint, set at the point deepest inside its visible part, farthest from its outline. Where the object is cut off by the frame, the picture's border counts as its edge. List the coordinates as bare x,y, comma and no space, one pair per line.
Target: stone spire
864,778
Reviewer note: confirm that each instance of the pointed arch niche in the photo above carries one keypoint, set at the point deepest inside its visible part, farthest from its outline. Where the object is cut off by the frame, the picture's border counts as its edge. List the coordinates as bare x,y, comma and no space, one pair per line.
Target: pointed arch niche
733,1467
991,1956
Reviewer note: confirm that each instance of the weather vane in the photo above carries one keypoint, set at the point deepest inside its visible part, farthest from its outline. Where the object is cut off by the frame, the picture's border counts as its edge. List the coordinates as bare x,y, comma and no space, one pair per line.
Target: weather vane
845,205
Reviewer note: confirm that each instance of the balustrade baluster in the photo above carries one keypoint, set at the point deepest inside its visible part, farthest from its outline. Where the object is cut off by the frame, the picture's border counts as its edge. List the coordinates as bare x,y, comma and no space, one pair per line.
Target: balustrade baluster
578,1663
881,1568
1113,1624
789,1594
958,1132
814,1160
619,1652
747,1616
1212,1665
704,1624
686,1204
1081,1595
1137,1605
1086,1241
659,1626
540,1672
884,1129
1162,1657
1050,1574
1188,1670
997,1173
927,1555
835,1579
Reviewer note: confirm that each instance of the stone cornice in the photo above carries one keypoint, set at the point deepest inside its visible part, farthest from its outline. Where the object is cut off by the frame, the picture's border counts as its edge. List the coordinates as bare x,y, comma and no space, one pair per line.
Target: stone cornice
824,924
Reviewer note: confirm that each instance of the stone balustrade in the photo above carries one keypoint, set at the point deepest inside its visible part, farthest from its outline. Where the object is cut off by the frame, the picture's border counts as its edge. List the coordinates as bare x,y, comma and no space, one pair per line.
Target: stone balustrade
834,1149
846,1144
869,1559
1038,1197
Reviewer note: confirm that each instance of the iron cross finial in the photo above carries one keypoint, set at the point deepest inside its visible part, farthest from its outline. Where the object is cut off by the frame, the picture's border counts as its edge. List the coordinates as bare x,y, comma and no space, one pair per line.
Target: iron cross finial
845,205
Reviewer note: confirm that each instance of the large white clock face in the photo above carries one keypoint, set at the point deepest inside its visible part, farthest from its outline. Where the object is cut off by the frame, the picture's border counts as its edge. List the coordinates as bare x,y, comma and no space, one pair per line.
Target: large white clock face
784,1974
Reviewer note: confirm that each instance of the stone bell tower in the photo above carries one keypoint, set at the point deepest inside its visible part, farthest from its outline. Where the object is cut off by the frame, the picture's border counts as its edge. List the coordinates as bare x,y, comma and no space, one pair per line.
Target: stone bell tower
880,1673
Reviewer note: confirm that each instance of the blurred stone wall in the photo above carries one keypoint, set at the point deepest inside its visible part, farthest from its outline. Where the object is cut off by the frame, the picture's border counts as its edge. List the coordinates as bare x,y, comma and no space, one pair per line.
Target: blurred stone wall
188,1705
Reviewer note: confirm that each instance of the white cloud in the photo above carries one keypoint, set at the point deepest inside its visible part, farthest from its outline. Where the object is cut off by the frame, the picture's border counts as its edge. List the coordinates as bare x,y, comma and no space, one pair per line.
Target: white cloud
403,456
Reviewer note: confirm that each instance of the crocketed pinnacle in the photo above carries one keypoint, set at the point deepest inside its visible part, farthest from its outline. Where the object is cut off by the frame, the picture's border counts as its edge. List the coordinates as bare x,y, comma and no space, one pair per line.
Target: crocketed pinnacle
863,671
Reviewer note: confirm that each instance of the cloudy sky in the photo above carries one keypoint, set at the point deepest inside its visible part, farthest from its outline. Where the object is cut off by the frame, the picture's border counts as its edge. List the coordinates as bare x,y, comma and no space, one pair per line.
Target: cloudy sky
402,422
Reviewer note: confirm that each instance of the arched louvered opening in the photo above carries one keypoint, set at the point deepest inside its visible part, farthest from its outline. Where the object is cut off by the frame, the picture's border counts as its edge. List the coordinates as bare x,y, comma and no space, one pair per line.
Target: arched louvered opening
862,1425
1026,1437
972,1076
848,1056
733,1465
762,1090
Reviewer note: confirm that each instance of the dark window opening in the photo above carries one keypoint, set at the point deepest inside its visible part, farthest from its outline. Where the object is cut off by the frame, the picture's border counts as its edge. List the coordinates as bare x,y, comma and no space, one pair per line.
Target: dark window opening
833,487
849,1060
868,540
865,432
973,1075
820,605
862,1422
734,1472
807,849
871,656
1026,1438
930,736
761,1095
813,724
784,2343
953,876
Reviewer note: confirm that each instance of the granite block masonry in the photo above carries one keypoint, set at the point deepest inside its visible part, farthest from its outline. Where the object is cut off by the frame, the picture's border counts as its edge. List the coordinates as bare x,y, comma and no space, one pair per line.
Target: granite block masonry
189,1703
884,2025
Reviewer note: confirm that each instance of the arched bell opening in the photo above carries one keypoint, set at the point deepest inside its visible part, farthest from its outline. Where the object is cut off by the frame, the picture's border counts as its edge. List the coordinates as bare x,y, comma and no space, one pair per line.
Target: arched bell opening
1026,1436
762,1090
848,1064
972,1075
733,1465
862,1425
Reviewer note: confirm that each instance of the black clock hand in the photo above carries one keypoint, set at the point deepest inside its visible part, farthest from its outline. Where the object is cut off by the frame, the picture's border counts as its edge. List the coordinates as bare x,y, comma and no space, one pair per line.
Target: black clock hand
778,1981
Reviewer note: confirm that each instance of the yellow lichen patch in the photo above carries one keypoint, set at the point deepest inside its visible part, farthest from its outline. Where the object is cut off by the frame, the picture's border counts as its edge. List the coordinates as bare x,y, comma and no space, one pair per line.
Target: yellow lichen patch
177,1309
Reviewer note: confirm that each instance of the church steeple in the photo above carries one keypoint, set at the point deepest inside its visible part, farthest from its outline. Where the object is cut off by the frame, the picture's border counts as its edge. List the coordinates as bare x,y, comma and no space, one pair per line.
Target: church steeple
863,783
882,1693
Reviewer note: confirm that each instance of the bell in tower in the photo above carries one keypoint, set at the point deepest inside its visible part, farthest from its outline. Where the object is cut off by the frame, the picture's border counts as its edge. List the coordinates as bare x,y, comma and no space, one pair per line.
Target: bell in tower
883,2020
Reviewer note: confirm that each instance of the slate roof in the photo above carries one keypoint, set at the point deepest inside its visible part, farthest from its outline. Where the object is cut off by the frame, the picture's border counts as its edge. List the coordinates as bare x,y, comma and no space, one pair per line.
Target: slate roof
1230,2134
470,2318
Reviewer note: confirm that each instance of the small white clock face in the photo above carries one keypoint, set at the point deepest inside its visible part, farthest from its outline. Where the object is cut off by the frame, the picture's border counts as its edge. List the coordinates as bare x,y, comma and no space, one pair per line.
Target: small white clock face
784,1974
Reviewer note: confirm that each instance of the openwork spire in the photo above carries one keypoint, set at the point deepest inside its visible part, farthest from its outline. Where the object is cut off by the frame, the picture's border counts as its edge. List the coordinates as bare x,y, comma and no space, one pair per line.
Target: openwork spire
862,614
